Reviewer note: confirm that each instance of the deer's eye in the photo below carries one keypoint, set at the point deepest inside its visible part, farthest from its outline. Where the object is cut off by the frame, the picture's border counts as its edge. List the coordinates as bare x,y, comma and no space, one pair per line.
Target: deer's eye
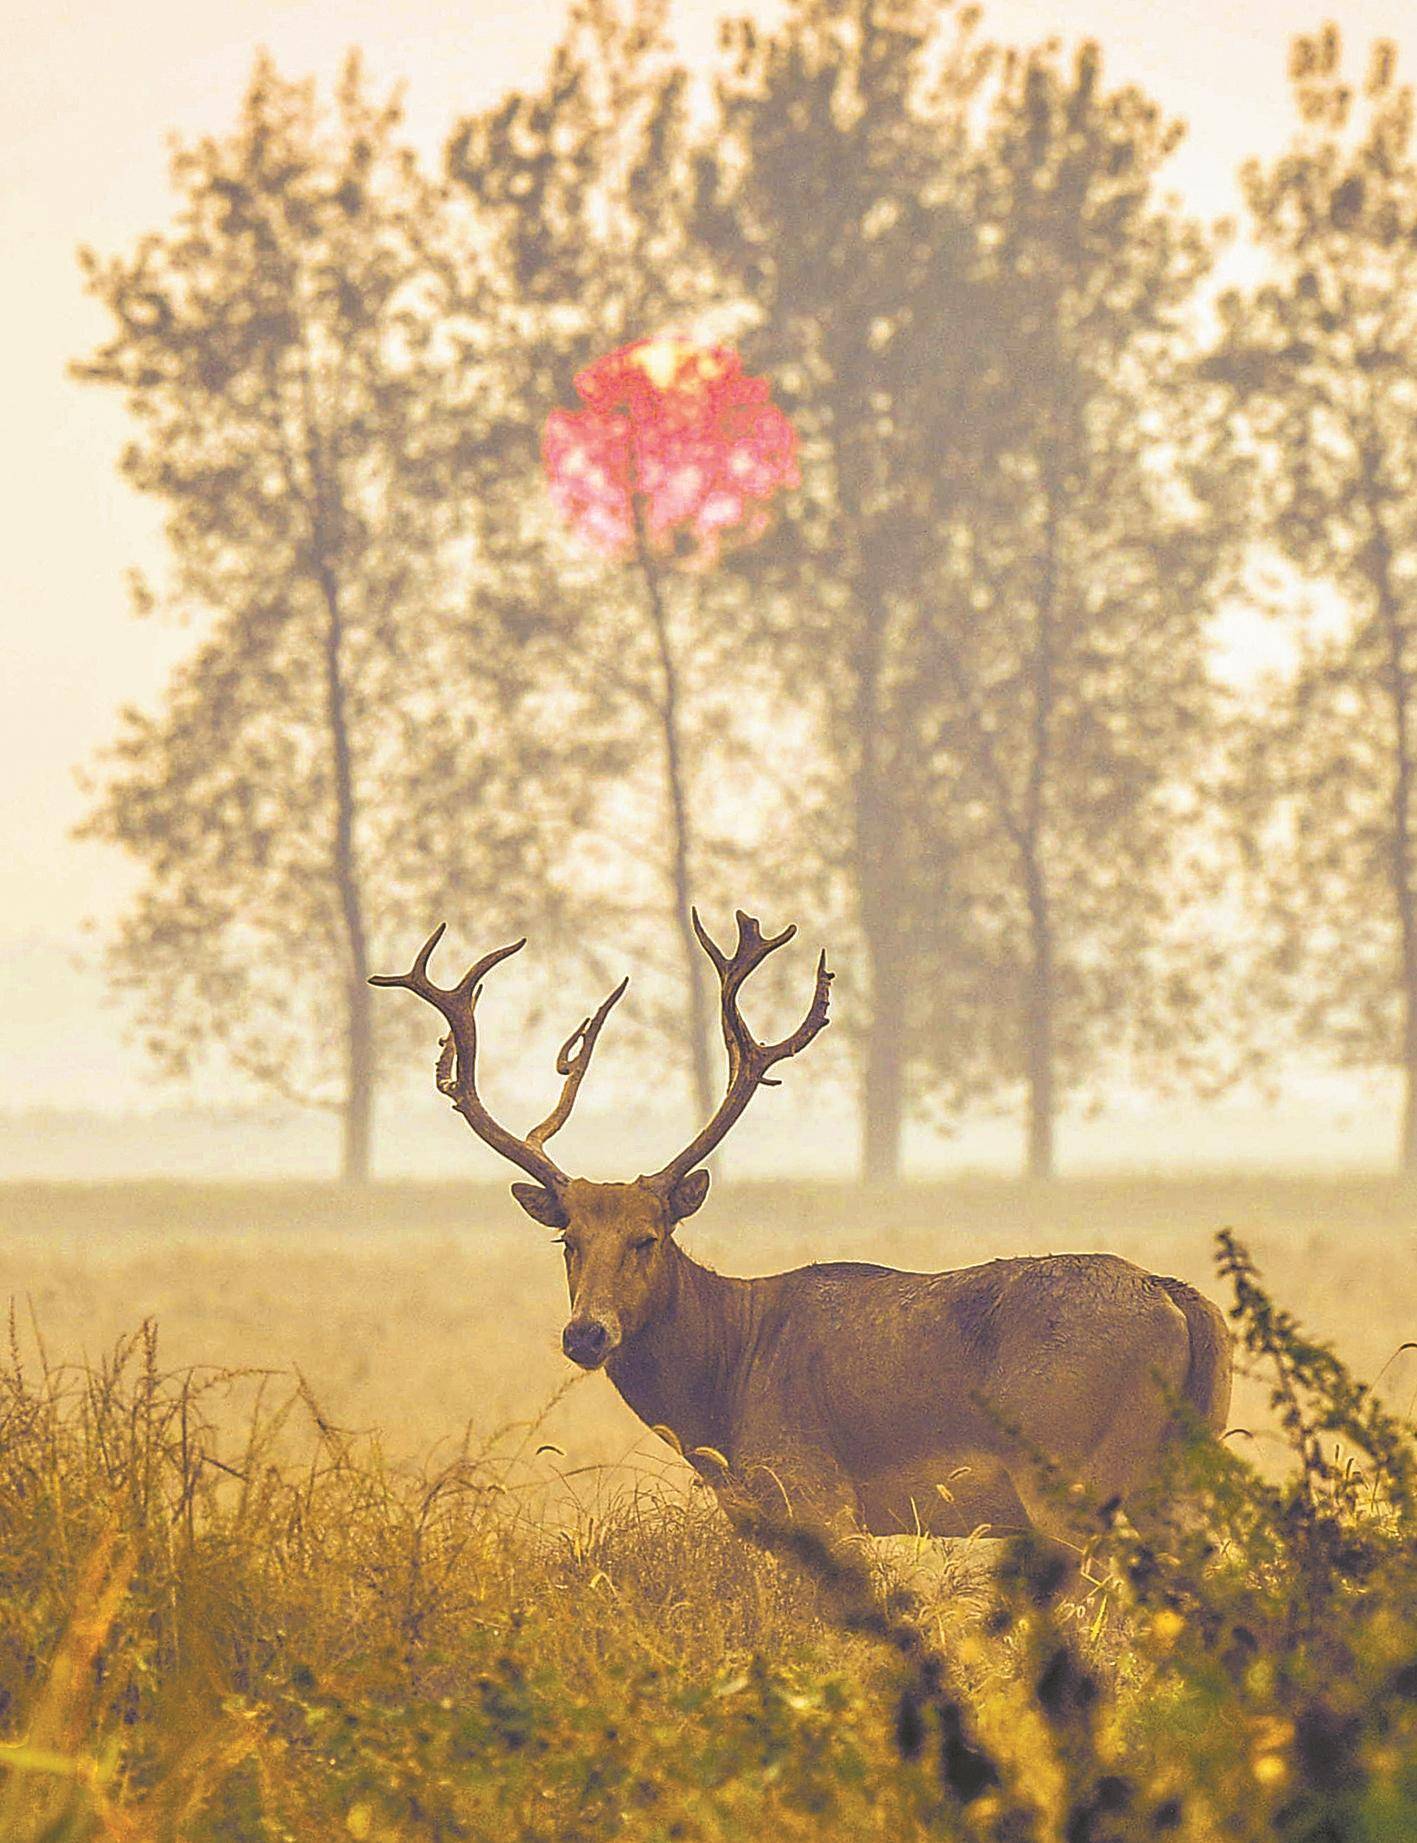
644,1244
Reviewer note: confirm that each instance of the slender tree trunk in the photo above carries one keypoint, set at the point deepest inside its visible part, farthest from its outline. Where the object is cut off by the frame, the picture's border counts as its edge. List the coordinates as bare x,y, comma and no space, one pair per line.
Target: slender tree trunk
1038,1026
883,1066
326,530
1025,834
883,1072
357,1116
1400,691
1040,1037
1407,915
680,831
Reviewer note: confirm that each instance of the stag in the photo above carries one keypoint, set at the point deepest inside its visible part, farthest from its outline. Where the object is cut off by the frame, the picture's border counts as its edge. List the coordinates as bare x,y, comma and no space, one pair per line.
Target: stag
859,1396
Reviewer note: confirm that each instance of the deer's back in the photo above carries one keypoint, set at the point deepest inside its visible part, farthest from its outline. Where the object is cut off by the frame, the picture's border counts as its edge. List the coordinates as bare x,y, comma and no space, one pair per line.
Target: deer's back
892,1361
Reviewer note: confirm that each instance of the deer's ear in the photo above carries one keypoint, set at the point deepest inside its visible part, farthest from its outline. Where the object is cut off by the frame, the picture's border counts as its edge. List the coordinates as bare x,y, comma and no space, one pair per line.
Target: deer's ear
541,1205
687,1195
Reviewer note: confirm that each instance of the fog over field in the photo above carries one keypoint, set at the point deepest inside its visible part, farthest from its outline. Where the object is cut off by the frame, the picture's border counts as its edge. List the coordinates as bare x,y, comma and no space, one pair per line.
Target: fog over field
1339,1125
85,117
426,1310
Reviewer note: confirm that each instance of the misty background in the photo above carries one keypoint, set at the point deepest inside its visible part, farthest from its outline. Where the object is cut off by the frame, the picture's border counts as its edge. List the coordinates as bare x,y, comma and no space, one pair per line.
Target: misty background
537,640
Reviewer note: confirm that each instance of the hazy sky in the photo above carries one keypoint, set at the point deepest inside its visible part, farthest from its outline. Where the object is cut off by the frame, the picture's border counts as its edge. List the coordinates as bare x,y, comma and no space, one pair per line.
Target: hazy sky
88,95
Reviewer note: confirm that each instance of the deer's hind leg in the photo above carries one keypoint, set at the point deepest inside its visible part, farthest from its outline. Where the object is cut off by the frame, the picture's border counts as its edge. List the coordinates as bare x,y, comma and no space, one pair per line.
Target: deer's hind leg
1065,1502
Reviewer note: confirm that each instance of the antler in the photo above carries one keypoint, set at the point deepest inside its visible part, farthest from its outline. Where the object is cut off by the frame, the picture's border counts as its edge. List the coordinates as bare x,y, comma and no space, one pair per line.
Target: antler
572,1061
457,1061
748,1060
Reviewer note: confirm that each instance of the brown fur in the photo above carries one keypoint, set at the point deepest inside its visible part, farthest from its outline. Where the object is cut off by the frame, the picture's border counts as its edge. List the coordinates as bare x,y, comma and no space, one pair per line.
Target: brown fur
895,1401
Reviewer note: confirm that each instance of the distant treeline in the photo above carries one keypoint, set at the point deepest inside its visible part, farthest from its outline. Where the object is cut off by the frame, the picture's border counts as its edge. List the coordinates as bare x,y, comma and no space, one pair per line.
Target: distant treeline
956,713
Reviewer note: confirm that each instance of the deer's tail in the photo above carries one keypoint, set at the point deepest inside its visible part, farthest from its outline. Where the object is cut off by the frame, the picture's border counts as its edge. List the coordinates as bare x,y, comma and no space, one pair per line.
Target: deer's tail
1212,1354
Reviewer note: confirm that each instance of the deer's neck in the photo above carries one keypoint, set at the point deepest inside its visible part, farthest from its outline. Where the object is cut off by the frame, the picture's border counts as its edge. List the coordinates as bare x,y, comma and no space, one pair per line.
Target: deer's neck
681,1369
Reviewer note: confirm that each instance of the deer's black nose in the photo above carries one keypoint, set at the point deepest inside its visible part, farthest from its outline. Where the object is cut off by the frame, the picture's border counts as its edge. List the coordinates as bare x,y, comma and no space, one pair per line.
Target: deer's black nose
586,1341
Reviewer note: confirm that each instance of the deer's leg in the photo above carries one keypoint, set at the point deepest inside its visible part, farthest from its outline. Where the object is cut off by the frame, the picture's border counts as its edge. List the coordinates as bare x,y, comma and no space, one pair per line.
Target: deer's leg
1122,1460
774,1498
783,1474
783,1491
1062,1534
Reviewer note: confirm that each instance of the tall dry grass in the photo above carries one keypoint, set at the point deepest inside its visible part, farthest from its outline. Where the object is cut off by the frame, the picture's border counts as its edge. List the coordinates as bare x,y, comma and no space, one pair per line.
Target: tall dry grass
231,1608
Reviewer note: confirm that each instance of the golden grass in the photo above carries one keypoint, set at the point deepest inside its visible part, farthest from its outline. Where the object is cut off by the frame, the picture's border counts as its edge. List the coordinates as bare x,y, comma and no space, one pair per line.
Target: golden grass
340,1549
423,1310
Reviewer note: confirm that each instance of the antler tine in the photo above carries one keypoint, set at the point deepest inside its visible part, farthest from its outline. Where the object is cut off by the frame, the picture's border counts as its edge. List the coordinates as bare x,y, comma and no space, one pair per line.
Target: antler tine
748,1060
752,949
816,1020
416,978
708,943
572,1061
457,1061
419,969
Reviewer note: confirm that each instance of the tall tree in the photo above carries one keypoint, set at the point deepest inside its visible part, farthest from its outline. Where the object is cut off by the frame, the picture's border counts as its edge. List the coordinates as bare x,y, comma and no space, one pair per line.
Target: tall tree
1082,553
1321,360
348,745
1001,579
831,194
580,190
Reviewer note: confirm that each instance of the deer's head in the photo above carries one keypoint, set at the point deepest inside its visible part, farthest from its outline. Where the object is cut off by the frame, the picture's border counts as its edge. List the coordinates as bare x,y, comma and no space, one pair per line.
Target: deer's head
614,1235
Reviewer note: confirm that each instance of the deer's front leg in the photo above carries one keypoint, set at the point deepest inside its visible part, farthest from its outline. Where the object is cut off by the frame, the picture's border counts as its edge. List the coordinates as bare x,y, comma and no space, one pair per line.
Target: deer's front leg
787,1474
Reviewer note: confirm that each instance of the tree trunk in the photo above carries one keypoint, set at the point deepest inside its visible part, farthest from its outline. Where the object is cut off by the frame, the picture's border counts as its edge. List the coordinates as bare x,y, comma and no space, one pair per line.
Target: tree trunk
1400,691
1407,918
358,1107
883,1076
680,836
357,1114
875,821
1399,687
1039,1051
1038,1026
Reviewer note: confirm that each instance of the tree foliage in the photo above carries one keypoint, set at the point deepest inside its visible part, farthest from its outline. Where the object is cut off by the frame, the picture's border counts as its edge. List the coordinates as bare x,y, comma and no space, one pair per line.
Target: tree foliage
830,195
580,190
997,586
1083,535
957,700
351,742
1320,359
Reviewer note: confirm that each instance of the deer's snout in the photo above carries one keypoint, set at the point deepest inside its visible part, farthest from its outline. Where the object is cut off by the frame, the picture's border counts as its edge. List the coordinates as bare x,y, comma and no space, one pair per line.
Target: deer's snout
589,1341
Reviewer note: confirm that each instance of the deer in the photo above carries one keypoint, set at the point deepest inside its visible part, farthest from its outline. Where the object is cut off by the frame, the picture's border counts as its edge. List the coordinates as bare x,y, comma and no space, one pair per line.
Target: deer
862,1398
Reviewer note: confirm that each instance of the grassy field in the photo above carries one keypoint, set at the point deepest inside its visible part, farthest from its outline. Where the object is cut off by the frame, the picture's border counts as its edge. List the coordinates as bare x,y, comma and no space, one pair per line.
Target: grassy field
341,1546
420,1311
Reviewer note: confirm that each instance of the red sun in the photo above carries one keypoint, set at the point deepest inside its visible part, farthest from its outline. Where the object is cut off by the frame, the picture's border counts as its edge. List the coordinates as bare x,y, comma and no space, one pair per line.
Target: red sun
679,430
